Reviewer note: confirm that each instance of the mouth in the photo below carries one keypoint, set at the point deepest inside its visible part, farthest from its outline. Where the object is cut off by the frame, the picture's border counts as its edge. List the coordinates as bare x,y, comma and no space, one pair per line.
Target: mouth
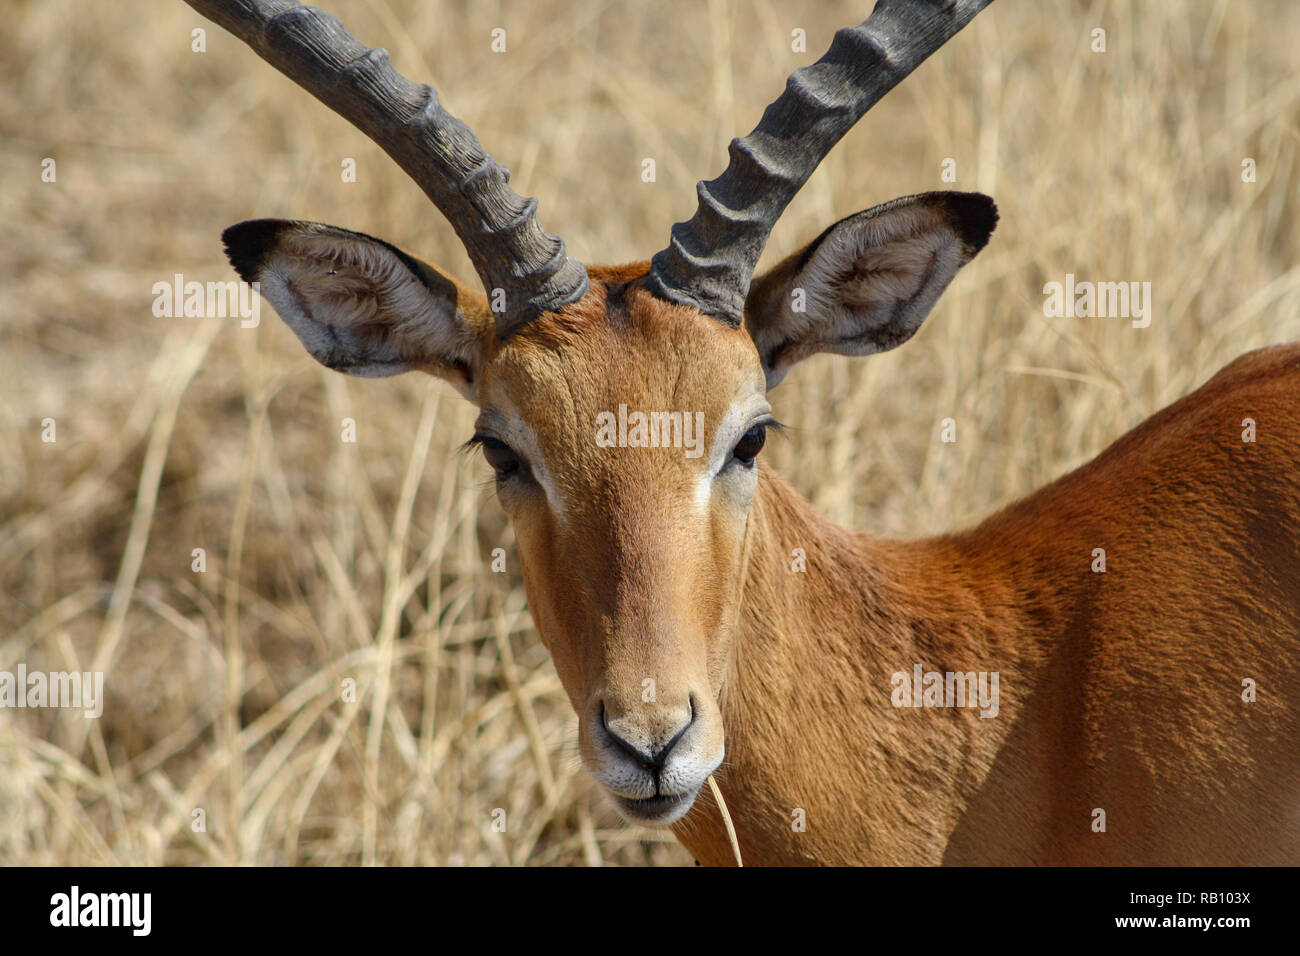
657,811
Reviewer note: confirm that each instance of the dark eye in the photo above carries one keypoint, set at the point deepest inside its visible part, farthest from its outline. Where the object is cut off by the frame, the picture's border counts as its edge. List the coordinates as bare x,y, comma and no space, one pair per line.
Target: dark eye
750,444
500,456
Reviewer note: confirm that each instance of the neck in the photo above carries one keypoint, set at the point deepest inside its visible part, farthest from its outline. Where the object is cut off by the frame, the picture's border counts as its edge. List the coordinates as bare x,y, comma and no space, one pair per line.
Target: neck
814,747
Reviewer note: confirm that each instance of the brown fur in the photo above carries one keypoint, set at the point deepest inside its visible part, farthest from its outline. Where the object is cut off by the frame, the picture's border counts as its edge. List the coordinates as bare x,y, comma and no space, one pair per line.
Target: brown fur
1119,691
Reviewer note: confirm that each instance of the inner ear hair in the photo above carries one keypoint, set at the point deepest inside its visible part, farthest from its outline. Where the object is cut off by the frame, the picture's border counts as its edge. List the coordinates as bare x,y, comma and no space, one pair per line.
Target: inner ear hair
361,305
867,282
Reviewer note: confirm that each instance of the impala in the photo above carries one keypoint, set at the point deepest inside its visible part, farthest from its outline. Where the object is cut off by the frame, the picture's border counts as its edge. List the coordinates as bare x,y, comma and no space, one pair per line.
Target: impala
696,607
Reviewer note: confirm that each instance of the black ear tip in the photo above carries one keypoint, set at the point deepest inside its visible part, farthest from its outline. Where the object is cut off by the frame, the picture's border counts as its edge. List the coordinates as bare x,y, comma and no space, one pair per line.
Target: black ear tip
249,243
974,215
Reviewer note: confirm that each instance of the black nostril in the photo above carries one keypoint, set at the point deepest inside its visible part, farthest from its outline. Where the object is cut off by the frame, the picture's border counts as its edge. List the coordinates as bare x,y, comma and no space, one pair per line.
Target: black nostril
662,755
648,761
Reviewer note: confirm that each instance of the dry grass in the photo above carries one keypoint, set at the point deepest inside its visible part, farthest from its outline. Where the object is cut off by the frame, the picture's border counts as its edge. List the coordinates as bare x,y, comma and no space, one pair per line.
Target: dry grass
329,560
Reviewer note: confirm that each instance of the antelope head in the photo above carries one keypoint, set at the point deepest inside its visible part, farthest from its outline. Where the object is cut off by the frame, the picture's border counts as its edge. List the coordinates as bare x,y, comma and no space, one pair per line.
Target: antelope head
621,408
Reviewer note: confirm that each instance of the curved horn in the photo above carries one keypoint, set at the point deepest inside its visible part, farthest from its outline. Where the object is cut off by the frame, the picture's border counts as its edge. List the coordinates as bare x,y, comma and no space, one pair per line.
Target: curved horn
710,259
499,228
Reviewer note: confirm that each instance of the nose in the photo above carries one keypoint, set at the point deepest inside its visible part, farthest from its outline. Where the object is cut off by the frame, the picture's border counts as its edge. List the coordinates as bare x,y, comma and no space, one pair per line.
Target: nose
648,737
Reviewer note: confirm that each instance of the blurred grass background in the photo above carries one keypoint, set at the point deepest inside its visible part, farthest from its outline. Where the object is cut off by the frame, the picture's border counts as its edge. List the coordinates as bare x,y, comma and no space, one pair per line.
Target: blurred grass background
371,561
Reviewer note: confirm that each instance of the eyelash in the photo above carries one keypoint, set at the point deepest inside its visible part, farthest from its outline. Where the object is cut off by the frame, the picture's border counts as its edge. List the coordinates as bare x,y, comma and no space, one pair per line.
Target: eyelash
492,446
766,425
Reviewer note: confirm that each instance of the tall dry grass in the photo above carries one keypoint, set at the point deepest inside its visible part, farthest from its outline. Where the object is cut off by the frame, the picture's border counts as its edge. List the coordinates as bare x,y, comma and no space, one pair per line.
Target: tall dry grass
370,561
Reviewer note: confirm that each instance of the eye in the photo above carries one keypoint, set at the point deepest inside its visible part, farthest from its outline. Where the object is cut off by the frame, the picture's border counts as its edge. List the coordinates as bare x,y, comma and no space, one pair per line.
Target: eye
750,444
499,455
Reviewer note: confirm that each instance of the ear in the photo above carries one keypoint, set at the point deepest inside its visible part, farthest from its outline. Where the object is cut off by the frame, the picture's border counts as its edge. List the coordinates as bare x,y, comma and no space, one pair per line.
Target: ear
360,305
866,283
